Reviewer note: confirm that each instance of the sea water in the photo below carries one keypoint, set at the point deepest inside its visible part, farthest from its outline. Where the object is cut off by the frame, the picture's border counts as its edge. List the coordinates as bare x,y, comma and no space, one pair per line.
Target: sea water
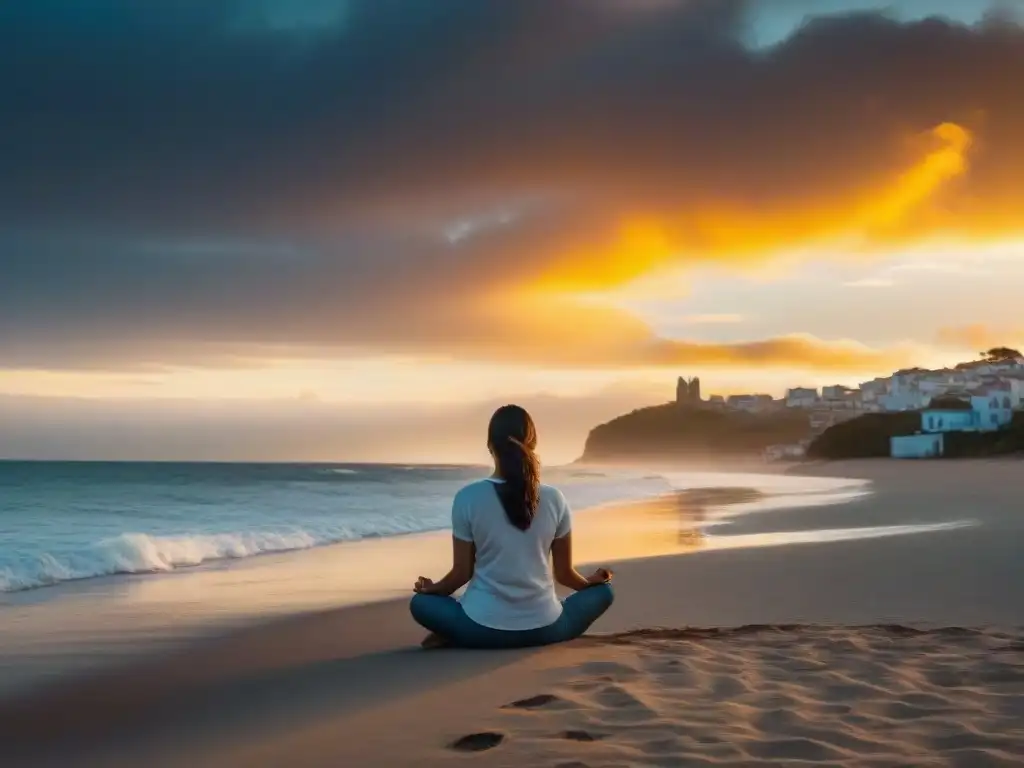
65,521
102,562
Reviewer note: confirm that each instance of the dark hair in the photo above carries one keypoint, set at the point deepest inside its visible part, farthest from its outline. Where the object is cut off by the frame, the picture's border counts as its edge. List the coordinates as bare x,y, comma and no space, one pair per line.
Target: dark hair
512,438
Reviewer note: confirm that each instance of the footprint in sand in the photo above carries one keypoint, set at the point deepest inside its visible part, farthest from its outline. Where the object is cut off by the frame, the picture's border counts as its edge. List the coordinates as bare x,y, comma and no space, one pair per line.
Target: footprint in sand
583,736
724,687
617,697
534,702
796,749
477,742
611,669
902,710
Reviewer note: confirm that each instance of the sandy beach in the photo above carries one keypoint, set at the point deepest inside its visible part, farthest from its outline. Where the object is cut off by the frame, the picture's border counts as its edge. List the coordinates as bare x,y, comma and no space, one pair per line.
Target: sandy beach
898,647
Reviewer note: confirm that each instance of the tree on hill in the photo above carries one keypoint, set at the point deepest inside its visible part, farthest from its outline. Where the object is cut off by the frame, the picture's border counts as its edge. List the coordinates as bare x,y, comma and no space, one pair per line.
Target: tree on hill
1001,355
990,356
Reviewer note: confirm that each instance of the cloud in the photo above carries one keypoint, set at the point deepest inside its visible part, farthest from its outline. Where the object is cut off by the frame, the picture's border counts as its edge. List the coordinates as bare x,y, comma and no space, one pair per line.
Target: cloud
981,337
713,319
969,264
589,101
948,267
312,306
796,351
871,282
198,180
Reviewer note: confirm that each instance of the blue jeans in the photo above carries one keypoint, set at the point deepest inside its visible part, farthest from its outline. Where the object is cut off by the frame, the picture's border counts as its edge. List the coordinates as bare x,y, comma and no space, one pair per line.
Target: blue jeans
444,616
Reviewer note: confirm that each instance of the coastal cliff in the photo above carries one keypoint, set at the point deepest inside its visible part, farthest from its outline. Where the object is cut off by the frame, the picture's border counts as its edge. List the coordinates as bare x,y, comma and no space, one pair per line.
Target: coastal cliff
678,430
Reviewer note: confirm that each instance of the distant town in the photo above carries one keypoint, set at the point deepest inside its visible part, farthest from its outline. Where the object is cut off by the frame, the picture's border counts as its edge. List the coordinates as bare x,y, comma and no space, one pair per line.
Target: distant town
977,396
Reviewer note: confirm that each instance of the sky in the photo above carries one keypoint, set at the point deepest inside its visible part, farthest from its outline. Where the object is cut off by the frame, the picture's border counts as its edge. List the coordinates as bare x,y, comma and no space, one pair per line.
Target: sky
347,229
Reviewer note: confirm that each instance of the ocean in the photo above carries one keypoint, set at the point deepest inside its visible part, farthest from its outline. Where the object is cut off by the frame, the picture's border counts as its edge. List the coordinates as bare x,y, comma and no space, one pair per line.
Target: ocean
67,521
72,521
101,562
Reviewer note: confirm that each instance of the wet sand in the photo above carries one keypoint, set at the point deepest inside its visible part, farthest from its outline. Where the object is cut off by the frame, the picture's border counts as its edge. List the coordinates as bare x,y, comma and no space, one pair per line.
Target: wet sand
840,677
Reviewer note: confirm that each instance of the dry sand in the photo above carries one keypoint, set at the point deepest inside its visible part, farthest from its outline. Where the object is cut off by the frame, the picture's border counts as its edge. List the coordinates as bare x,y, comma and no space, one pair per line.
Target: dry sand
901,650
872,696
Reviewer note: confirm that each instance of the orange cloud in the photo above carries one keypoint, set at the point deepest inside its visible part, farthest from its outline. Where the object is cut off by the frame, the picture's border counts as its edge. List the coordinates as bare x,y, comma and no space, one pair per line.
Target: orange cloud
876,216
889,209
796,351
540,329
856,133
980,337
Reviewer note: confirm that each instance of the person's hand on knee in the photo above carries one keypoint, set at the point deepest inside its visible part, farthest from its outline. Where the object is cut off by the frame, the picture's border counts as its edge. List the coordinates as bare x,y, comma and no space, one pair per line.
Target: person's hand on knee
424,586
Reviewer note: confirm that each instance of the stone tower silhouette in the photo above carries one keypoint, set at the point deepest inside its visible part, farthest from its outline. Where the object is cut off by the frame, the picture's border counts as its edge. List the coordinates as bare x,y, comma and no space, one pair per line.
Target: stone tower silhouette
688,391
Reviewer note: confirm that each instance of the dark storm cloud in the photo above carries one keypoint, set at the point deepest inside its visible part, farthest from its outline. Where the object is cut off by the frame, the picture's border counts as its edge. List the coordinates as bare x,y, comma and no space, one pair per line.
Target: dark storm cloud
182,173
75,303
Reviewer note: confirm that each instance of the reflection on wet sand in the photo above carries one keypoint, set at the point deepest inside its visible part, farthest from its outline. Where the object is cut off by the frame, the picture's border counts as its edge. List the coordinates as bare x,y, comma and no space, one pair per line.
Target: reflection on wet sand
669,524
692,510
696,520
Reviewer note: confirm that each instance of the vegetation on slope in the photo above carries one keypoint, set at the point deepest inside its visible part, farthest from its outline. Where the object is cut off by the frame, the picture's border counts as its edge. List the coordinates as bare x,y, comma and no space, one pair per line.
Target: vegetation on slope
673,430
865,437
868,437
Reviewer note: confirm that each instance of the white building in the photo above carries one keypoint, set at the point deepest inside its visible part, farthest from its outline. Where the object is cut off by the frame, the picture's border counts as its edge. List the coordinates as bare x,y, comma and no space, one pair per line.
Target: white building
988,412
993,410
871,391
915,388
923,446
948,420
1016,391
801,397
1007,386
751,403
835,392
904,400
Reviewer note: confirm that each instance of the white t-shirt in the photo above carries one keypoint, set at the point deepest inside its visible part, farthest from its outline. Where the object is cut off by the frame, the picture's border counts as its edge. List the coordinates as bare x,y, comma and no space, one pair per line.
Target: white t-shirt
512,586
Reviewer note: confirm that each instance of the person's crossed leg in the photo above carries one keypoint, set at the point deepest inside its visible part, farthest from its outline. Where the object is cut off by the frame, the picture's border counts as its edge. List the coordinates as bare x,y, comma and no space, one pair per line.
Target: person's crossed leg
449,625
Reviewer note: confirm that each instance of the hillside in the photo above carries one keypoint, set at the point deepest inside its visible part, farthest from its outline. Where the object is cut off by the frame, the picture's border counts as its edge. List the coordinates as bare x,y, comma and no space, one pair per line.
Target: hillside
868,437
865,437
672,430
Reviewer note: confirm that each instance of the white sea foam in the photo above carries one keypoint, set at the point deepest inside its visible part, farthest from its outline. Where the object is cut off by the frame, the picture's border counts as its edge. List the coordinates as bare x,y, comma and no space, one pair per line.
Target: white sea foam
823,535
132,553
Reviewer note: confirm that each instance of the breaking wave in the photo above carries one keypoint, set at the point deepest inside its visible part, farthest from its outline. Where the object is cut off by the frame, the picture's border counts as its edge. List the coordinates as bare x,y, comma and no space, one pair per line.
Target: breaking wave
133,553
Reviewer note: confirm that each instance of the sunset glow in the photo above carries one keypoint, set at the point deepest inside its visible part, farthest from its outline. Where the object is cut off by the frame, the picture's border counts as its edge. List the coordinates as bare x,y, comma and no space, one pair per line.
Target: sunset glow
543,221
874,218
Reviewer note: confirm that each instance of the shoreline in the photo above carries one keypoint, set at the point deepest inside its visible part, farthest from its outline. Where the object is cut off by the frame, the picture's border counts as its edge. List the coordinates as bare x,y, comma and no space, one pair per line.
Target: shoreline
93,626
137,602
716,495
349,682
838,469
129,551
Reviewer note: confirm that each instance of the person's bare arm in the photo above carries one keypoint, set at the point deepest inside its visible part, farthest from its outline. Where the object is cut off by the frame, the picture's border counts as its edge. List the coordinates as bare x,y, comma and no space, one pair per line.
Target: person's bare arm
463,560
566,573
